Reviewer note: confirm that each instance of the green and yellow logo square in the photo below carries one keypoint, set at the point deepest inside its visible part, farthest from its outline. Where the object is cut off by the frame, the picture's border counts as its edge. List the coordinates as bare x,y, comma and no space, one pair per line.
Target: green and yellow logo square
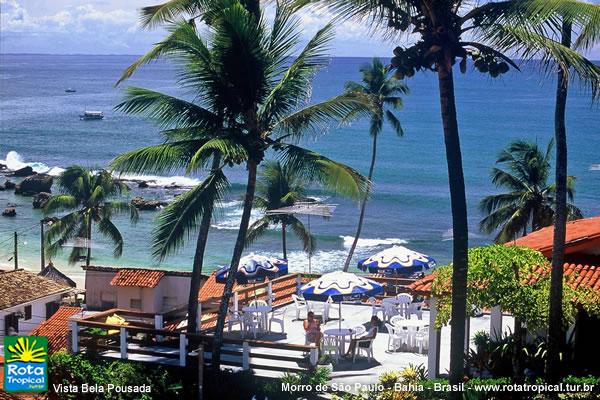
25,364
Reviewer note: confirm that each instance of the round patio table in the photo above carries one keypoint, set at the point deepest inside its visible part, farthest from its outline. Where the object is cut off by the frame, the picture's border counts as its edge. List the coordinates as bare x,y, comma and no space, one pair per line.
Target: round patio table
340,334
262,310
411,323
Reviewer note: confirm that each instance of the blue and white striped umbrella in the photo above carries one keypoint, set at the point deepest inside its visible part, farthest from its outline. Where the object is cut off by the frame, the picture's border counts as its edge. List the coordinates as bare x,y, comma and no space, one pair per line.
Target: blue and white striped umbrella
340,286
254,269
397,260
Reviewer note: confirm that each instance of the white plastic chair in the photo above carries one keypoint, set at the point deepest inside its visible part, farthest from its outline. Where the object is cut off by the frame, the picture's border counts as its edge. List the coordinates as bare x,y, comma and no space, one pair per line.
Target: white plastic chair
234,318
415,309
328,307
404,300
300,304
250,323
278,317
375,308
389,310
258,303
396,320
422,339
367,350
330,346
396,337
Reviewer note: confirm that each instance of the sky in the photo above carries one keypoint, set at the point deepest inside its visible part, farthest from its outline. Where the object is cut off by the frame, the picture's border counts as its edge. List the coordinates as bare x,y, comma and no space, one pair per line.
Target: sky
111,27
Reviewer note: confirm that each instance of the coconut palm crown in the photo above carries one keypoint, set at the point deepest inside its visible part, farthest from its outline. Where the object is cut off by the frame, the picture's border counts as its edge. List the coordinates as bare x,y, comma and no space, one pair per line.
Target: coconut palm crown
528,205
278,187
385,90
88,197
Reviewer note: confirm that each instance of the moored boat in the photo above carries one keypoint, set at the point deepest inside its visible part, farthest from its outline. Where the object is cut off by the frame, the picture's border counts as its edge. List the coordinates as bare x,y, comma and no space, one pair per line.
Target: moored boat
91,115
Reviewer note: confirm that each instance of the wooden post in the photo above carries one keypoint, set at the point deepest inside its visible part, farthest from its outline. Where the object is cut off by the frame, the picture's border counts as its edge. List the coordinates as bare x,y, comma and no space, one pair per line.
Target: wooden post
496,323
200,371
158,325
298,283
270,294
246,356
433,354
182,350
74,337
235,302
123,342
16,251
42,259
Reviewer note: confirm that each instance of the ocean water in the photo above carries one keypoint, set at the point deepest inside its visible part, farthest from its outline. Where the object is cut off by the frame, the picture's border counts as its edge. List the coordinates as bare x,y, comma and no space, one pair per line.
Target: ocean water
39,126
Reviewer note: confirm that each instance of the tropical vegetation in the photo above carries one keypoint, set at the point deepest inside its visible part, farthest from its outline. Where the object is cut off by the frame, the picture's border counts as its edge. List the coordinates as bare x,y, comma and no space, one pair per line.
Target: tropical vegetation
530,200
385,90
279,186
245,70
87,199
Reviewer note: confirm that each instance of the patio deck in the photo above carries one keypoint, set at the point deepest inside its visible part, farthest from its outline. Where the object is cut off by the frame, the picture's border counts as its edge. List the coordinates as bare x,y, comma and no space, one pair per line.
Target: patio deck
363,372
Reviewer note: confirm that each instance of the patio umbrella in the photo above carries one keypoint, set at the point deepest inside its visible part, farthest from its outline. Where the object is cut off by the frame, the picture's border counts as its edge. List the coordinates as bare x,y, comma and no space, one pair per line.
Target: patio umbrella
254,269
340,286
397,260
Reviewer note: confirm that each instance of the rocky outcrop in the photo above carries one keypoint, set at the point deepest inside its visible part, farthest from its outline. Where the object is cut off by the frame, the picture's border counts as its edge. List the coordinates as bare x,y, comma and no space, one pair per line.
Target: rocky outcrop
143,184
25,171
34,184
9,185
9,212
3,167
144,205
40,199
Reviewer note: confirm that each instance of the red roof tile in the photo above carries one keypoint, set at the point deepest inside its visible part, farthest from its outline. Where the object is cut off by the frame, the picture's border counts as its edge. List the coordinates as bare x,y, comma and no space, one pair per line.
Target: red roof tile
138,277
577,275
56,328
582,234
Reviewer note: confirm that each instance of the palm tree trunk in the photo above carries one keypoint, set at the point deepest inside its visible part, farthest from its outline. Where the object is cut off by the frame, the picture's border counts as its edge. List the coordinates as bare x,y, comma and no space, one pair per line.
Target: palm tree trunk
198,259
459,219
88,257
283,240
556,334
363,205
235,260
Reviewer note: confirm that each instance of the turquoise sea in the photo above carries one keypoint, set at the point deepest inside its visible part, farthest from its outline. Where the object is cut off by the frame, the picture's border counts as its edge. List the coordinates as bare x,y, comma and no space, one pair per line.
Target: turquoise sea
39,126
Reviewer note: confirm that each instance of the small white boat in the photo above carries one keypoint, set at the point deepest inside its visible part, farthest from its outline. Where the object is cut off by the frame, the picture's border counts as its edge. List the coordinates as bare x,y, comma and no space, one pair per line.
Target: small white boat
91,115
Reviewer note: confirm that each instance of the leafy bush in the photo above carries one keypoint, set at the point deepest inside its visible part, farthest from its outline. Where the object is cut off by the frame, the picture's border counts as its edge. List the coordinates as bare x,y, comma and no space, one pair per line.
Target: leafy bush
77,369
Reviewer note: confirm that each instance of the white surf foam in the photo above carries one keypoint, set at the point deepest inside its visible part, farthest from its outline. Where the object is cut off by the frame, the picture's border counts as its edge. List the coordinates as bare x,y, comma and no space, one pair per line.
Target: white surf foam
595,167
364,242
15,161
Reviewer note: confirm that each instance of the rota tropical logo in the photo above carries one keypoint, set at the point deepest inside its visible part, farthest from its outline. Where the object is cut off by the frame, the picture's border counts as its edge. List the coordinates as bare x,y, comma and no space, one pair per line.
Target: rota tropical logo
25,364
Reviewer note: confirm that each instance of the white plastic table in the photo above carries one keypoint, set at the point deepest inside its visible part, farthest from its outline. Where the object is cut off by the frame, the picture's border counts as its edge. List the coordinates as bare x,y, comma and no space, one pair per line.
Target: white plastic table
340,334
262,310
411,323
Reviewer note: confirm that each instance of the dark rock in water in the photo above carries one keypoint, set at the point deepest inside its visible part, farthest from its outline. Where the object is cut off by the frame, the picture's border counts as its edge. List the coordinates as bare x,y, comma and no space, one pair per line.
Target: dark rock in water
9,212
11,205
143,184
3,167
141,204
8,185
40,199
34,184
25,171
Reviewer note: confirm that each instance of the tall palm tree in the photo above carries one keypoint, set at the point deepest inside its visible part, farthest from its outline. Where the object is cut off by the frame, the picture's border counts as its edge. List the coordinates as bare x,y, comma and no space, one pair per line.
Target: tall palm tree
277,187
529,202
385,90
88,198
247,71
439,27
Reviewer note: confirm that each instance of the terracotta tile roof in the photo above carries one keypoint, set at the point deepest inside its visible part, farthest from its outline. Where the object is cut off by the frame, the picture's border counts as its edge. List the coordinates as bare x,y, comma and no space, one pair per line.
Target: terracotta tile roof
423,286
139,277
20,286
56,328
582,234
51,272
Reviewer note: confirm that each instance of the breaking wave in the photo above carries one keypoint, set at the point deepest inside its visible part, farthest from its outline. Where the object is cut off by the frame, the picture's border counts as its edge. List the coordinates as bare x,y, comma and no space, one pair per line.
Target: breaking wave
372,242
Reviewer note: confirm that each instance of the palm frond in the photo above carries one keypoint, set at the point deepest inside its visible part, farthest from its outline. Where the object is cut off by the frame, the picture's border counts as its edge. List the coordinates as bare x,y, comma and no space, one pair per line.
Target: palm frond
108,229
256,230
60,202
167,12
309,242
176,222
337,177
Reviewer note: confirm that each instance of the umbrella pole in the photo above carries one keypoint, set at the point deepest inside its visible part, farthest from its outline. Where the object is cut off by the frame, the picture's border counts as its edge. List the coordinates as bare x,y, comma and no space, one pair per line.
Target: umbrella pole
340,319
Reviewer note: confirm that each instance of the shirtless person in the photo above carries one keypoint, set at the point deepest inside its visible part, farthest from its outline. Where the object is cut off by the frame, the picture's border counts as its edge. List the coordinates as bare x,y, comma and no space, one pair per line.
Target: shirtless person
312,327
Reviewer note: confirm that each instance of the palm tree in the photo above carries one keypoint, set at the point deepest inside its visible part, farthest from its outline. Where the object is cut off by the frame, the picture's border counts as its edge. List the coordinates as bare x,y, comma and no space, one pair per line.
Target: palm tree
440,27
246,70
277,187
384,90
89,198
529,202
